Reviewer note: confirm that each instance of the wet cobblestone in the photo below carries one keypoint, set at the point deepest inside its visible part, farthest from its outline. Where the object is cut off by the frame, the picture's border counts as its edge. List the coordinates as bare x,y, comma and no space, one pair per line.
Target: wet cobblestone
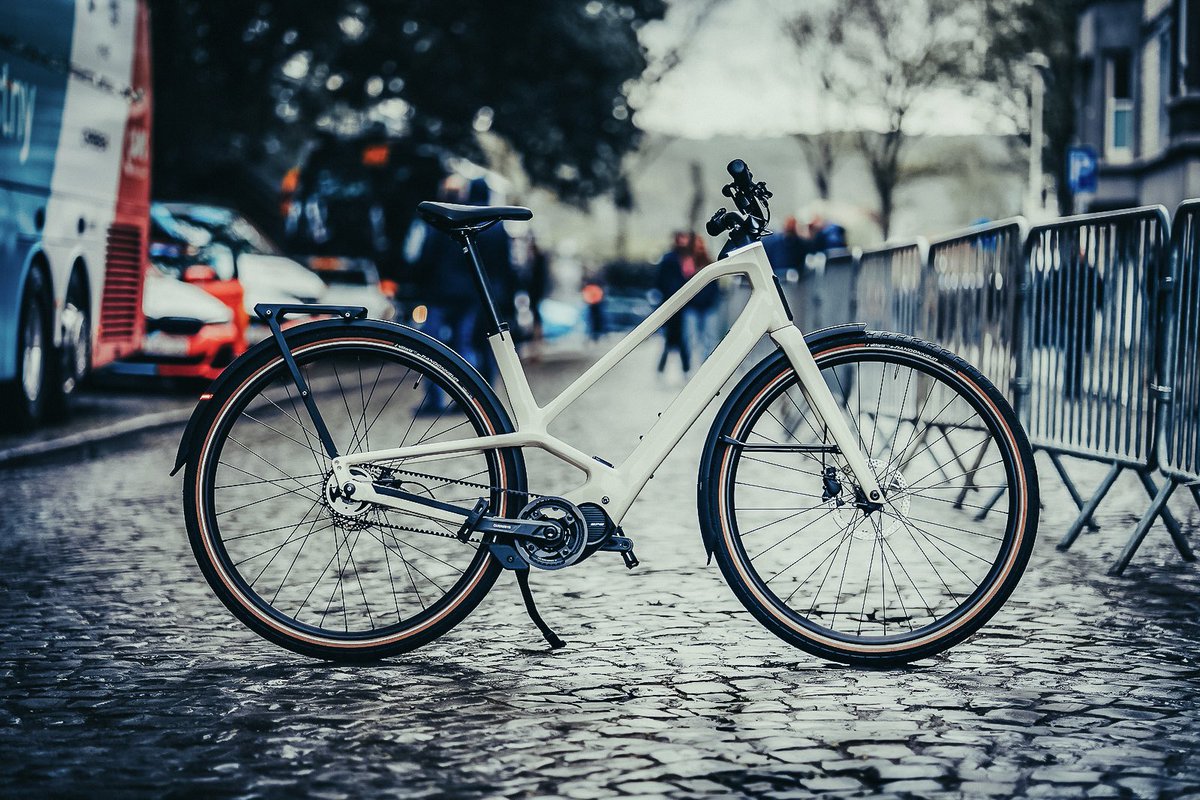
120,673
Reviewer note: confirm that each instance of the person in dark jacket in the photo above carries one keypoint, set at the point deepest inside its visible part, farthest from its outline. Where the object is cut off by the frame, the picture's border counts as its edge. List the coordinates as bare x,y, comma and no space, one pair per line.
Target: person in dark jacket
1074,292
787,249
456,314
674,269
700,316
538,286
826,237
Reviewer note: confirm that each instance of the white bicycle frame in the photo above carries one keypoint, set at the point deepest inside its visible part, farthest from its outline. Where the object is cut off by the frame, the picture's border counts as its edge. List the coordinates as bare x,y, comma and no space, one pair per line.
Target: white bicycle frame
615,487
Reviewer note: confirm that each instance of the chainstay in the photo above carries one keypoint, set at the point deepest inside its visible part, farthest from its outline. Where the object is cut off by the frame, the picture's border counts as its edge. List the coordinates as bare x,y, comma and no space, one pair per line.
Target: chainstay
445,482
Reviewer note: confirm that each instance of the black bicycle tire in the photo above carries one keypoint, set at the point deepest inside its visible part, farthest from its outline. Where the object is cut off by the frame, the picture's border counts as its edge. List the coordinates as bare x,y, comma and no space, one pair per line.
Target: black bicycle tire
717,534
266,359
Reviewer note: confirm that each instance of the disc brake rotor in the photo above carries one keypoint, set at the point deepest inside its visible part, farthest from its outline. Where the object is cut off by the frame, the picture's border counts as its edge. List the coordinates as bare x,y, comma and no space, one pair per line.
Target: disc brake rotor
880,524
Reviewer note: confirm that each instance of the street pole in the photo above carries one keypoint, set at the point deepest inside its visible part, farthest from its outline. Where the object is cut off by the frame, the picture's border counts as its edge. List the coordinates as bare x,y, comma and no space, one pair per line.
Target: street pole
1034,206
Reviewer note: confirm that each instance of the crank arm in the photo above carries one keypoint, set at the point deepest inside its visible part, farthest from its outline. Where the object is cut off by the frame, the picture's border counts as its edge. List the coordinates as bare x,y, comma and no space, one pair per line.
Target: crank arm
622,545
469,520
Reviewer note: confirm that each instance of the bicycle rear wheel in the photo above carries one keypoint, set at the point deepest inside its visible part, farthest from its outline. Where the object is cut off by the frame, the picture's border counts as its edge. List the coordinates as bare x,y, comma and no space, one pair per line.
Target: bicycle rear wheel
890,586
320,574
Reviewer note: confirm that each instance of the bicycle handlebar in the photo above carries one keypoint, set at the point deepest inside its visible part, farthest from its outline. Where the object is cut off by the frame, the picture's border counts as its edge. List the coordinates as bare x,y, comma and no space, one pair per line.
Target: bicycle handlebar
740,173
723,221
751,200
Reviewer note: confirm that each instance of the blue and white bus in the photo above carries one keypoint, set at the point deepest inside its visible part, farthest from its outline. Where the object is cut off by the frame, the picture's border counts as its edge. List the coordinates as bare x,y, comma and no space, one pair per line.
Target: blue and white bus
74,195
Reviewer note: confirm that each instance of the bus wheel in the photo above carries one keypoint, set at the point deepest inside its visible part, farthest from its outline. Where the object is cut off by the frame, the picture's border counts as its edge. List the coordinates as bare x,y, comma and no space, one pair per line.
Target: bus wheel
24,400
75,352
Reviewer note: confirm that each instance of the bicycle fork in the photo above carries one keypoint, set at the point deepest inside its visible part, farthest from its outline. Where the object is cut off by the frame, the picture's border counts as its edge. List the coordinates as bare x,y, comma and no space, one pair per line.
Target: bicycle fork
791,340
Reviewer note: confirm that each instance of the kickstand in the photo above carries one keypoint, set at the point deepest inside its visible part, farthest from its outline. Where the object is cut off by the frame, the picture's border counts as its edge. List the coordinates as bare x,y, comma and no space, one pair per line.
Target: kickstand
527,596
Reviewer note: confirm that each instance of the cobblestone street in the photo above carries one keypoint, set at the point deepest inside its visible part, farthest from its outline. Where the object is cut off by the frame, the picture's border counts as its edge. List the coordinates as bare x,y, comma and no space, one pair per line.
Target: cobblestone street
122,675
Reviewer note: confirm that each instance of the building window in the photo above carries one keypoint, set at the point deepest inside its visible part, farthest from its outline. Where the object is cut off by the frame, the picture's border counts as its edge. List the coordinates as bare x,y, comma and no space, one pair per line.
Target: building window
1187,59
1118,114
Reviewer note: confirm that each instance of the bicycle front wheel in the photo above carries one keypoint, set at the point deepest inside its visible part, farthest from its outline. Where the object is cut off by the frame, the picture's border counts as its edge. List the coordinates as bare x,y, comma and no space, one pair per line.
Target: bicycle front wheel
850,584
314,571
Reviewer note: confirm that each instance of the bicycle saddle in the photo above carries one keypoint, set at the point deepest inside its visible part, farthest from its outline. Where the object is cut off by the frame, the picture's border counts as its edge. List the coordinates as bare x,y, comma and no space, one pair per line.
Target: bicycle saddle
455,217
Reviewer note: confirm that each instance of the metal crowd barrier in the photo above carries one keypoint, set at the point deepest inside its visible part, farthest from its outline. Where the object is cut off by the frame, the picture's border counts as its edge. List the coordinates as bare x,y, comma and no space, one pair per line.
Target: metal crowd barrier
970,307
1092,319
1178,431
1069,320
972,284
889,286
1089,324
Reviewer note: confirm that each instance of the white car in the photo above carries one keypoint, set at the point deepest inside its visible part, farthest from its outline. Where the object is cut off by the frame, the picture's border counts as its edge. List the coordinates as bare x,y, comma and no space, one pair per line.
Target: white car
189,332
267,275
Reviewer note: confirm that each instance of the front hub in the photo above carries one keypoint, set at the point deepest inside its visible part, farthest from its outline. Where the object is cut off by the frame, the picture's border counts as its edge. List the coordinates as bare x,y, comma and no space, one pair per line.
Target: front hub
862,519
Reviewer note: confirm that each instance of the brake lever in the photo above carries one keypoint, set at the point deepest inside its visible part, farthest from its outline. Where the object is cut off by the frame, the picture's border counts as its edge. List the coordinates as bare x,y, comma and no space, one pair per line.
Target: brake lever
716,223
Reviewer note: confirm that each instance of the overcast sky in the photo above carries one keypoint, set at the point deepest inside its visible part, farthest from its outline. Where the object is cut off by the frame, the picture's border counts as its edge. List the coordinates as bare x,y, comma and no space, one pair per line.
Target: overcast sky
741,75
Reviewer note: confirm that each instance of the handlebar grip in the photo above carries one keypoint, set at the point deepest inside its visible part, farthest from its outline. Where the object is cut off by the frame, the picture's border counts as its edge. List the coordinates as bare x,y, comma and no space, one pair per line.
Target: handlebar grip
722,221
740,174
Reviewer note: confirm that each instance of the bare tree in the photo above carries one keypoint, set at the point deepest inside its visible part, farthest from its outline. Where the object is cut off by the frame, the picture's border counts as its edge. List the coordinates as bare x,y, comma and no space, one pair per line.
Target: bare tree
822,151
888,56
696,207
695,16
1016,30
811,32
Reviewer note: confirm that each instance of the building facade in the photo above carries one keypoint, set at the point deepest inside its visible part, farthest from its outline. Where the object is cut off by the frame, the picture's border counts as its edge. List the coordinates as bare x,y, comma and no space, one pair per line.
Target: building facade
1139,100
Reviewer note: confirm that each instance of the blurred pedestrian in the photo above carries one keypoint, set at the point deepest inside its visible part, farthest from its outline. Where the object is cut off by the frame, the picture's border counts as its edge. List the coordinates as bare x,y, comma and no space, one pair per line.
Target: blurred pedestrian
787,249
593,296
538,286
674,268
826,237
447,283
700,315
1077,289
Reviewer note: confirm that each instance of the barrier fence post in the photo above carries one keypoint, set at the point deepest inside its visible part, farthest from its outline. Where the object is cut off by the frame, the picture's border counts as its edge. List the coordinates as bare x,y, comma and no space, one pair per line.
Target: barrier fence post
1177,388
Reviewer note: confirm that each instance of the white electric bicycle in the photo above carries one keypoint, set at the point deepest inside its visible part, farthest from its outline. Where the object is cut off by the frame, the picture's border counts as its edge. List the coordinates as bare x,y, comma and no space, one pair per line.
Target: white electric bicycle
353,488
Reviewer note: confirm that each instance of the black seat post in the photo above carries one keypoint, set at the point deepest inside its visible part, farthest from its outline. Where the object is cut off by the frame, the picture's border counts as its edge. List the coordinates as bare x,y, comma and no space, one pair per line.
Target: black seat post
467,237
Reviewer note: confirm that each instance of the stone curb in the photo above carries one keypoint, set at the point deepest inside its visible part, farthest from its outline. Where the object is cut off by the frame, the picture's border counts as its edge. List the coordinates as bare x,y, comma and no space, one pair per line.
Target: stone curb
129,427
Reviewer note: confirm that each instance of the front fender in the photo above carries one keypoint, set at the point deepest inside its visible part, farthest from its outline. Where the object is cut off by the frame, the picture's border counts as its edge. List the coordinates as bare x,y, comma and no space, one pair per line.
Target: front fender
201,415
816,340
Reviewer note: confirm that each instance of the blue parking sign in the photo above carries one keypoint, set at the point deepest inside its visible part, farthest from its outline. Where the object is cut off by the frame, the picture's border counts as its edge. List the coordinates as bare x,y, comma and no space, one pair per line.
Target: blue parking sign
1082,164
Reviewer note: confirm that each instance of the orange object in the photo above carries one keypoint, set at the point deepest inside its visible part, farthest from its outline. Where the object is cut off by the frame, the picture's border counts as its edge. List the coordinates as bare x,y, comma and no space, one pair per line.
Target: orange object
592,294
208,353
375,155
291,179
325,263
230,293
287,188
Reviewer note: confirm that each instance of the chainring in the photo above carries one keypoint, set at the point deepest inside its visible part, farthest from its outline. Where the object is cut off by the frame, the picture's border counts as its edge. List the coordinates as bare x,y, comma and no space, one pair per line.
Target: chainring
573,531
